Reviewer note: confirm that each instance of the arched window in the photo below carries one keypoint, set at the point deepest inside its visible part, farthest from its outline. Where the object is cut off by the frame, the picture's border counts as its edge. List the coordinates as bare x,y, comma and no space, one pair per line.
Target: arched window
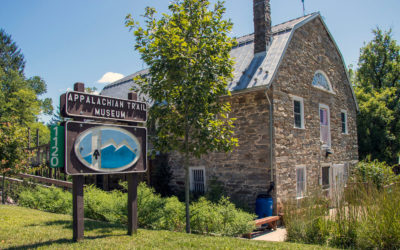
321,81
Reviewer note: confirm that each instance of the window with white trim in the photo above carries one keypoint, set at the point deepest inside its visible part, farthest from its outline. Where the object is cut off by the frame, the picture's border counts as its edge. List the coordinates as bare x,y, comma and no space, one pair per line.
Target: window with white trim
324,121
300,181
321,81
343,118
197,180
298,112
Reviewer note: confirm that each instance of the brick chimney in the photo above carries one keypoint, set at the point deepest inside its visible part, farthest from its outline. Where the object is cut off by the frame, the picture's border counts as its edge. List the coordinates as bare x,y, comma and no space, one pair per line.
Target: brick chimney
262,25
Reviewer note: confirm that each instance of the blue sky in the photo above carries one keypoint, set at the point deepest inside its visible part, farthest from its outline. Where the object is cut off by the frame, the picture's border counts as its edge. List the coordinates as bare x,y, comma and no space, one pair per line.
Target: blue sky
80,40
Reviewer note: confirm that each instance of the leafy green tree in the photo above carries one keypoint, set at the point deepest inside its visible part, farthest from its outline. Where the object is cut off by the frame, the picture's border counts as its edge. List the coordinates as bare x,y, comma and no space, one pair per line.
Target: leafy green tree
91,90
374,172
44,134
56,118
19,96
11,57
187,52
13,153
20,106
377,87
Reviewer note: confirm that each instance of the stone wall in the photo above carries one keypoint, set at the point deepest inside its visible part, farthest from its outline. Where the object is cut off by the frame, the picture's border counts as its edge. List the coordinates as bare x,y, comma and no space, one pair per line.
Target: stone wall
310,49
245,171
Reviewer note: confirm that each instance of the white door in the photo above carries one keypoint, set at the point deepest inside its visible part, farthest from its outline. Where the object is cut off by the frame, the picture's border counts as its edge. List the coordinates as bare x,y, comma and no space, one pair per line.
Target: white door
337,181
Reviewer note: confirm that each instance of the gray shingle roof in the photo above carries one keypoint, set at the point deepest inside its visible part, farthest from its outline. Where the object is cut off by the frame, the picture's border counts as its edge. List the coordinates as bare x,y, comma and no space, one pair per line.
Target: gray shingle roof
249,71
120,88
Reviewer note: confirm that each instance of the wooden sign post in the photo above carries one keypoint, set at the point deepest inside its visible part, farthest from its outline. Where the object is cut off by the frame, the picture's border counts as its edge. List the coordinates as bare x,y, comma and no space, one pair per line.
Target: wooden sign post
99,148
132,191
77,194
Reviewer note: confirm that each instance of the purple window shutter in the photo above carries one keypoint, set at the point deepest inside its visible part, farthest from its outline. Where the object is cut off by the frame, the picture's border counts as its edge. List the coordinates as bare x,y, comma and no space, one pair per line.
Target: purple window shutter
325,134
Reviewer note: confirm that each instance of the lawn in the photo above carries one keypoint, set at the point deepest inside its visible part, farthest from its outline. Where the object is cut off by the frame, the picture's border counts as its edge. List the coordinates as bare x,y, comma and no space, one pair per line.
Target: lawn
23,228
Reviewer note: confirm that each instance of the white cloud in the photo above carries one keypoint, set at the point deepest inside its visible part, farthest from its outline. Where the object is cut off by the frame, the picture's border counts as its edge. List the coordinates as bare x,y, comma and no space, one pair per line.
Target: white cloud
110,77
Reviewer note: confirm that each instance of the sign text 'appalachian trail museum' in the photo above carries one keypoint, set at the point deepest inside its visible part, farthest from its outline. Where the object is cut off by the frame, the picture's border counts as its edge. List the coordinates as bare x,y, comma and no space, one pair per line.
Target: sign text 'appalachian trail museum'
104,135
79,104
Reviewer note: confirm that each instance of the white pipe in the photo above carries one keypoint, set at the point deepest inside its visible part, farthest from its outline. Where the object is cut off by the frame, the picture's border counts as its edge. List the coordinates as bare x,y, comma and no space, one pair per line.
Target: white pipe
270,134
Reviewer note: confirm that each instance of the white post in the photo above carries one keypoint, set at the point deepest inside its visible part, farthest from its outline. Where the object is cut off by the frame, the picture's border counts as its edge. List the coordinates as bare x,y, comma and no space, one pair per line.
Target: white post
96,148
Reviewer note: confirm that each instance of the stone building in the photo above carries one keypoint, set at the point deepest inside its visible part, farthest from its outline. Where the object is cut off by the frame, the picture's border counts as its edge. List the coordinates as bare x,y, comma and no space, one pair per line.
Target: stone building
295,110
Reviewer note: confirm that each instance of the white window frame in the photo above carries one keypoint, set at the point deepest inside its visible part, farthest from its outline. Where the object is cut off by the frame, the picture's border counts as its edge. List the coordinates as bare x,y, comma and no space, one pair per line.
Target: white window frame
321,105
191,177
327,79
345,122
299,99
305,181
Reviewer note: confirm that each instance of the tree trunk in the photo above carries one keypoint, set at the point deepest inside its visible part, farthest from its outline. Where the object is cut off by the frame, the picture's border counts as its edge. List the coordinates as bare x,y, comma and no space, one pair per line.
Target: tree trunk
187,183
187,195
3,192
186,167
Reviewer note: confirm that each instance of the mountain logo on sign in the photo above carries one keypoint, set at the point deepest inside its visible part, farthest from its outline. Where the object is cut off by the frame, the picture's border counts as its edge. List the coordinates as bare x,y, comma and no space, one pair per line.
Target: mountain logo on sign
112,151
108,149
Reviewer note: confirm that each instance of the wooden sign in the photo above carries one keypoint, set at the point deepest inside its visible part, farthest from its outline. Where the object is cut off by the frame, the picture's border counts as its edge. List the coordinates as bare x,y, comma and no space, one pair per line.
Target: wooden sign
84,105
99,148
93,148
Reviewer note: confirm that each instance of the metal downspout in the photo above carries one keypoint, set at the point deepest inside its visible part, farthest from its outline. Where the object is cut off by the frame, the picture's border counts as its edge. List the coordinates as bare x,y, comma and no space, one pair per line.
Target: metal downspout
271,152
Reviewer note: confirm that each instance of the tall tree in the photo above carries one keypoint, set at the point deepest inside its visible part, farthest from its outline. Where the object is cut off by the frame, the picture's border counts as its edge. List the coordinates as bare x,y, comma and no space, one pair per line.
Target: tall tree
11,57
187,52
377,87
13,153
20,106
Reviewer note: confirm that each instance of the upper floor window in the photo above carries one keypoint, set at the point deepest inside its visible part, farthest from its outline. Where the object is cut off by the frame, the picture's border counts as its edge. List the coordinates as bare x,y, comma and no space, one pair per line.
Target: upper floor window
343,118
298,112
321,81
324,119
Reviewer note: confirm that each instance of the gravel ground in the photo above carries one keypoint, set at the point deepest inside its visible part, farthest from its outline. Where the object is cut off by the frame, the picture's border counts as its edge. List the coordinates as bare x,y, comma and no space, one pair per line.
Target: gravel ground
278,235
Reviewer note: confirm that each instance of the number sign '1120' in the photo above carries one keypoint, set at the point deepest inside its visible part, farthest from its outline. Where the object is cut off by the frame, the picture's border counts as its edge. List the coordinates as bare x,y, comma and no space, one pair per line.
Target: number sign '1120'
57,134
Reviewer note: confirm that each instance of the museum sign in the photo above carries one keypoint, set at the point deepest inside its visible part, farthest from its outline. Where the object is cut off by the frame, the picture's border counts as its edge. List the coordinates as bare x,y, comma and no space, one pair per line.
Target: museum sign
79,104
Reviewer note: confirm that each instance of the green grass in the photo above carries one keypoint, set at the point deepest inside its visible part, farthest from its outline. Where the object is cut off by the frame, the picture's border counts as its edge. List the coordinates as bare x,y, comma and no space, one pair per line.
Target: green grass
24,228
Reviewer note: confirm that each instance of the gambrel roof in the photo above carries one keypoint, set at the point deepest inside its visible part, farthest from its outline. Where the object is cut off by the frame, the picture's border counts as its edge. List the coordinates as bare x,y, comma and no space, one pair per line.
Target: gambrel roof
251,71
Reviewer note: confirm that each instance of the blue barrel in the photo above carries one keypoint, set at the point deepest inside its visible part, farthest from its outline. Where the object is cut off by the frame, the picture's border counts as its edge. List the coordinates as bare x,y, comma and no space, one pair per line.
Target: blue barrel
264,206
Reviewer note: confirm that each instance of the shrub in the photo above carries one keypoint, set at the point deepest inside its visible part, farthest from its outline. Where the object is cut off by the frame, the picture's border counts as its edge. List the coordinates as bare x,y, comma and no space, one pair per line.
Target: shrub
380,220
150,207
204,216
234,221
344,217
51,199
105,206
154,212
364,217
172,215
220,218
305,220
215,190
15,188
378,173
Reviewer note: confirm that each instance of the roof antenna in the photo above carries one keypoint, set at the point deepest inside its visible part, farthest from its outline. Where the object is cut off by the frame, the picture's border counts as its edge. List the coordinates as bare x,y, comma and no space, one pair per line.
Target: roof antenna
304,9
